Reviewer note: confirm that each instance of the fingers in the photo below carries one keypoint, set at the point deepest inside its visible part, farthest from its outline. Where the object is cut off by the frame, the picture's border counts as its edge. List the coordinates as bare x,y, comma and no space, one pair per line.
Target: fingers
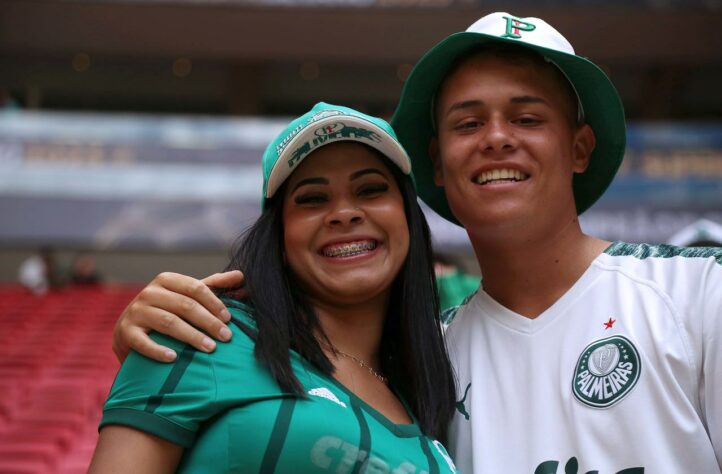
176,309
199,292
164,305
139,341
120,347
230,279
175,304
169,324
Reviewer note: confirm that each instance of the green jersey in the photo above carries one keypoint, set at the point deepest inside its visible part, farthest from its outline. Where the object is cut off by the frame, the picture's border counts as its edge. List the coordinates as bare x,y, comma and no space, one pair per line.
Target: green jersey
231,415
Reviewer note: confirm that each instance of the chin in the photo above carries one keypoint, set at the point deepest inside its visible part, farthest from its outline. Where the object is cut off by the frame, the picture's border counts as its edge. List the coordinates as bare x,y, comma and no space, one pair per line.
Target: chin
489,220
356,289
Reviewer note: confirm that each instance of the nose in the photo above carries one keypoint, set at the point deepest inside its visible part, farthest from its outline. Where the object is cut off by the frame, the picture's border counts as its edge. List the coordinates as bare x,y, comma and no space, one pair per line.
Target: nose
345,214
498,135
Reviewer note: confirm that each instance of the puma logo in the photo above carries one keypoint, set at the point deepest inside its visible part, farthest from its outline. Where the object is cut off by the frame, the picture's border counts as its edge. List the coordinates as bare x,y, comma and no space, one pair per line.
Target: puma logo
460,404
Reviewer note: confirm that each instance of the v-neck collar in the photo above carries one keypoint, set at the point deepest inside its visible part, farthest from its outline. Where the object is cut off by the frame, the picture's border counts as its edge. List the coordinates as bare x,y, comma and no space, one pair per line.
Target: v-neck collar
402,430
515,321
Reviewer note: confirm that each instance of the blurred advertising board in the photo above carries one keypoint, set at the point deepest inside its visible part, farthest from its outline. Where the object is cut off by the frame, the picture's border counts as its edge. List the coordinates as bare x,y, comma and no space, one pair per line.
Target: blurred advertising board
670,179
131,181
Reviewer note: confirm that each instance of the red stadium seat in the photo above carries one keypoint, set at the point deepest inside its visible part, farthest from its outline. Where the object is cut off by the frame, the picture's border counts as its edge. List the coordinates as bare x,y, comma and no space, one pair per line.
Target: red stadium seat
56,367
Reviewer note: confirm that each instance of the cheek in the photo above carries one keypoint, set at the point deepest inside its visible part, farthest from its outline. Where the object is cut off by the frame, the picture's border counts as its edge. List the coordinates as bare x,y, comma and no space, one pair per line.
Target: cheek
401,235
297,236
405,244
398,228
453,156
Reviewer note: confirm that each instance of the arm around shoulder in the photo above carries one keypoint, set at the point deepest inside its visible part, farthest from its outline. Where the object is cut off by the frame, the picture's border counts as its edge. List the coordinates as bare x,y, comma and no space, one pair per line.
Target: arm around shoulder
179,306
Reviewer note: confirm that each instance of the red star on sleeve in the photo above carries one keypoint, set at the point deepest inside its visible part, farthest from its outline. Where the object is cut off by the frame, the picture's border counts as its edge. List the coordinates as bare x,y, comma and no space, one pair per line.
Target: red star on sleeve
609,323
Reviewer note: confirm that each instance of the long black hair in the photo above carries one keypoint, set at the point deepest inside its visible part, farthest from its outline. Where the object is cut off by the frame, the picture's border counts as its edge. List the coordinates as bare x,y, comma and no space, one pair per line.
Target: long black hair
413,355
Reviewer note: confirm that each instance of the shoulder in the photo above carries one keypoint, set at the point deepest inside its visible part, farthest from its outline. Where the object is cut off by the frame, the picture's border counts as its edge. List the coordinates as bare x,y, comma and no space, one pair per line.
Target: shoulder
664,264
688,278
242,318
238,352
242,326
450,315
172,400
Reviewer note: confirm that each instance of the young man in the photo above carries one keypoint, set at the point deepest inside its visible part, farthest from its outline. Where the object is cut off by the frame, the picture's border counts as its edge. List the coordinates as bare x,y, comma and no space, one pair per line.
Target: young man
577,355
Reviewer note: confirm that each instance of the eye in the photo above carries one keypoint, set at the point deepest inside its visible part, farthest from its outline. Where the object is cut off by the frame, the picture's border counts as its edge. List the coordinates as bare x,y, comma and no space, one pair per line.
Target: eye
310,198
373,189
528,120
467,125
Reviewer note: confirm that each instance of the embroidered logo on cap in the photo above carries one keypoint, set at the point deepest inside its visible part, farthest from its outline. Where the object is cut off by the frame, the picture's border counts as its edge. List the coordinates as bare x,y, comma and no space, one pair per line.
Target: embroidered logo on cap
331,132
314,118
328,129
515,26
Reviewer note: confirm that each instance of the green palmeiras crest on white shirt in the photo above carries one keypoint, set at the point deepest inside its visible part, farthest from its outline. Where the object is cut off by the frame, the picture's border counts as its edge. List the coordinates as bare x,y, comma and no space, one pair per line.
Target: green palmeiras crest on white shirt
607,370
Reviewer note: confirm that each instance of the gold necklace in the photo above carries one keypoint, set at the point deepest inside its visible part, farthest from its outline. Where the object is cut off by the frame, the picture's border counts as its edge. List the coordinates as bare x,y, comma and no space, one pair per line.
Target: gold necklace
361,363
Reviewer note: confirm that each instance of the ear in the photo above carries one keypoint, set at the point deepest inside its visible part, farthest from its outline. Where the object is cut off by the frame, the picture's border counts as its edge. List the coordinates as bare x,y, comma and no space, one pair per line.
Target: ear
435,157
584,143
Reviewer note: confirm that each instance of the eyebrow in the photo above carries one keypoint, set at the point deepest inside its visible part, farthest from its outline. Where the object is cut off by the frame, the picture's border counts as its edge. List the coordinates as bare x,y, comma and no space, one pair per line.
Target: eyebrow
355,175
524,99
307,181
366,171
467,104
528,99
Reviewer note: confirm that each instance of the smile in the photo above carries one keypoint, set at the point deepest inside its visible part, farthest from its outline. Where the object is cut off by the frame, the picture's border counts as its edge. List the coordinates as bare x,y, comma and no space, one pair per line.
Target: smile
349,249
500,175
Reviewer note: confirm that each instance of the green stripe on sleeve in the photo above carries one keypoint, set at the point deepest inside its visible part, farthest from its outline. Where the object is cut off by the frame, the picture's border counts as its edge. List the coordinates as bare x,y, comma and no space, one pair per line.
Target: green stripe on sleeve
149,423
171,382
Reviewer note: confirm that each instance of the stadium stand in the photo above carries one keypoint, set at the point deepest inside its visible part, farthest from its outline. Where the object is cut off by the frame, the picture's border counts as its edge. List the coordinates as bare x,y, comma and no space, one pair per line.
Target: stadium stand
56,368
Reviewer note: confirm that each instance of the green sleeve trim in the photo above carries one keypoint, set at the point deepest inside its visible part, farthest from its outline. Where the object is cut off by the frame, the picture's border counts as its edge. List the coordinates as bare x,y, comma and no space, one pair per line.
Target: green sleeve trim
149,423
642,251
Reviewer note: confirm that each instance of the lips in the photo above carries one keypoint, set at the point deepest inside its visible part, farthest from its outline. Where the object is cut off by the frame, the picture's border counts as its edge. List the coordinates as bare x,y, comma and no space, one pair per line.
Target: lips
348,249
500,175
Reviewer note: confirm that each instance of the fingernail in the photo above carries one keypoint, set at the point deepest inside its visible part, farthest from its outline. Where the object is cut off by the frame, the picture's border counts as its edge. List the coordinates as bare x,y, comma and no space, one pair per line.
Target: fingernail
225,315
208,344
170,355
224,333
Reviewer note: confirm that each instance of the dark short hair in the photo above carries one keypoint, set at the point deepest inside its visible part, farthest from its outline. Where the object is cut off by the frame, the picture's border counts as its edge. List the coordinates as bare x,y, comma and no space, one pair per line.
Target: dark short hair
413,355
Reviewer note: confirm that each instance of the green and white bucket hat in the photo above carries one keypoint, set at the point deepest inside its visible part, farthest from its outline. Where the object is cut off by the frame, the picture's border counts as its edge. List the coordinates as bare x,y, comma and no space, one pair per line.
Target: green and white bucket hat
322,125
600,105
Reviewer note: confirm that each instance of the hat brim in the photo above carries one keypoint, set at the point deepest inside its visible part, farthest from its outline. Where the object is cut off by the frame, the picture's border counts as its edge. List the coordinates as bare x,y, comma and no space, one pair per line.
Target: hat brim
602,107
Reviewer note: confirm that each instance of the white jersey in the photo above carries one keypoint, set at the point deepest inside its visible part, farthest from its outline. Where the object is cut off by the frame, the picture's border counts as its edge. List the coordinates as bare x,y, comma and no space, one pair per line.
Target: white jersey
623,374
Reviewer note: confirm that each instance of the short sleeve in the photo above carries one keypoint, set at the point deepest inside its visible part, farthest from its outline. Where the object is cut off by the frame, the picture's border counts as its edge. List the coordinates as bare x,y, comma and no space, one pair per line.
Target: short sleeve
172,401
711,305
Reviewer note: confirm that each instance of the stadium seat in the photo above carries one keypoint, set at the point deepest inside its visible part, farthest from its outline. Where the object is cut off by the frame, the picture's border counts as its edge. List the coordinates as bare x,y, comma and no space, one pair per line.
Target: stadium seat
56,367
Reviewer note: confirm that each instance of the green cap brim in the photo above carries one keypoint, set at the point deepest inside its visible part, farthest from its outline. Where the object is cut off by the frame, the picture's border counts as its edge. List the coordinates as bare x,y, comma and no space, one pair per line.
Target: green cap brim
600,101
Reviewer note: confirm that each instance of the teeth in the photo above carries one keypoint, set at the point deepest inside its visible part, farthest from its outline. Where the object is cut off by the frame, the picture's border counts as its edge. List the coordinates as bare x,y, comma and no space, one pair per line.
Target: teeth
349,249
501,174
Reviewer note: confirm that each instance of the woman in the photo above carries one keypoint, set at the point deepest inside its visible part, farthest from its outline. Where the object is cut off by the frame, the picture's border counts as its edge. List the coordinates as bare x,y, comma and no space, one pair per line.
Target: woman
337,362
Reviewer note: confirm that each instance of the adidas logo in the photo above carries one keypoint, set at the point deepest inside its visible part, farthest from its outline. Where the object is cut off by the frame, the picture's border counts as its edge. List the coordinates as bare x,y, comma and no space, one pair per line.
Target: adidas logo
323,392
